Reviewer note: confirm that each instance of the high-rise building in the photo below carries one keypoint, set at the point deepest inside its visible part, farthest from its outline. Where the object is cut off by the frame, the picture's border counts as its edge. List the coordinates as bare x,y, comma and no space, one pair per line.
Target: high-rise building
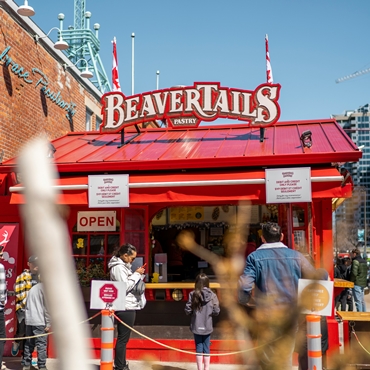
354,213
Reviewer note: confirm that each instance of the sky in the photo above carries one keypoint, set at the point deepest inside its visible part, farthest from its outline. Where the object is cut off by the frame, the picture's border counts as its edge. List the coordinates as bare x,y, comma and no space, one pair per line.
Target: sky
311,43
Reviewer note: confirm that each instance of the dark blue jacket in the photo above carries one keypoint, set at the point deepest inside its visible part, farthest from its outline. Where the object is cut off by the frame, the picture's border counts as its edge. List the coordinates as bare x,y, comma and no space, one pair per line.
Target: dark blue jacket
275,270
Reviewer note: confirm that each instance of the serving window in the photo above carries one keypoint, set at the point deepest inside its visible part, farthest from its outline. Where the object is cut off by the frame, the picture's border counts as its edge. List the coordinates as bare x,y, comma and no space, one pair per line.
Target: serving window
213,227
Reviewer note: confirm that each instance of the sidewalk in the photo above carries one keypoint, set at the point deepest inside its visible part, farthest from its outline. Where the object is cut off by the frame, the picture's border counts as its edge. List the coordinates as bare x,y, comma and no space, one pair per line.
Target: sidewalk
13,363
52,364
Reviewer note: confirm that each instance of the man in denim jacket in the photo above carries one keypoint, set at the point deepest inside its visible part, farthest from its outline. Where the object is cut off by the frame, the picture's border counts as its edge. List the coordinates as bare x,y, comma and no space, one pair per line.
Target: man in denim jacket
274,270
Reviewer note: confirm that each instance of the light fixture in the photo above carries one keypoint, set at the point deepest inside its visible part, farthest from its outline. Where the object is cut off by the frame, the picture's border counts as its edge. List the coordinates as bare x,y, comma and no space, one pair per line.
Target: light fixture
59,45
177,295
51,150
86,73
26,10
306,138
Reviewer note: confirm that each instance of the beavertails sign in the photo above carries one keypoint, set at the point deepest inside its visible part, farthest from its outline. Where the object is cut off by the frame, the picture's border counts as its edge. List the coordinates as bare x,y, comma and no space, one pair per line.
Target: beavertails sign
187,106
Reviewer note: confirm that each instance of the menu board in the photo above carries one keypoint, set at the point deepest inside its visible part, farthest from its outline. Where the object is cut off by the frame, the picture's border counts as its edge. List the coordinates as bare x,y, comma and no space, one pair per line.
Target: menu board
186,214
224,213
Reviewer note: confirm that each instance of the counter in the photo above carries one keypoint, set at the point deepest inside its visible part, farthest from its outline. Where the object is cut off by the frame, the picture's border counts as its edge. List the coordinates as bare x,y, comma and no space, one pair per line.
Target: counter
165,291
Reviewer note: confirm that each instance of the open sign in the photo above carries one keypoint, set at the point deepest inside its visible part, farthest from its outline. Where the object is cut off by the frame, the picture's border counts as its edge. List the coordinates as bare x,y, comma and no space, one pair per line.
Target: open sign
96,221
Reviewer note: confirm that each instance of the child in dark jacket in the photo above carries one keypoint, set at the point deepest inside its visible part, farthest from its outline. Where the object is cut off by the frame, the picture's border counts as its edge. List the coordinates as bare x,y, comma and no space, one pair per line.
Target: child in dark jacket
202,305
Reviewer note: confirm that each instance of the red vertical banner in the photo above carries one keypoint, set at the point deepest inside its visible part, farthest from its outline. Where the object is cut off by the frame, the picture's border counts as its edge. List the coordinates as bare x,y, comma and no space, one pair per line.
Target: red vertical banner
9,234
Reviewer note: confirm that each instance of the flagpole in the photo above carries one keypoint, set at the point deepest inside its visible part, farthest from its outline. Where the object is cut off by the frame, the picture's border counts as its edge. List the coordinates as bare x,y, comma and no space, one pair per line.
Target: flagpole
132,64
269,76
269,79
157,80
115,80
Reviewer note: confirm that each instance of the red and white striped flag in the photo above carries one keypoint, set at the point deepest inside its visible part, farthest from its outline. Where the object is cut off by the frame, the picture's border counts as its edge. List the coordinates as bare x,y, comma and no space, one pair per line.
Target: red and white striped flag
115,81
270,79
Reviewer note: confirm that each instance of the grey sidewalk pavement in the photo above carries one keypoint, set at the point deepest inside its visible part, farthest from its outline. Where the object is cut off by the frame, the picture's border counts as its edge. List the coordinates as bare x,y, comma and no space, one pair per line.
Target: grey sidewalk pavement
13,363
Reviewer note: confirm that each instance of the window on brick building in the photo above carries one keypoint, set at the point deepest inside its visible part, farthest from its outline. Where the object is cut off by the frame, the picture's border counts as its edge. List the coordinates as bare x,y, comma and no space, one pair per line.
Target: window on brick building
89,116
98,123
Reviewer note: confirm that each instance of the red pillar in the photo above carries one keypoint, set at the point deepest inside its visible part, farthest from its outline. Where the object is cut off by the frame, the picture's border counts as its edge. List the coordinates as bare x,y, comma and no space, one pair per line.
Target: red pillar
324,235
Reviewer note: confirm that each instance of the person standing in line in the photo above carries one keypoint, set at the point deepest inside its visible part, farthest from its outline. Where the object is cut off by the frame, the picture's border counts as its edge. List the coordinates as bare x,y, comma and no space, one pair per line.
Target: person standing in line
202,305
342,271
274,270
359,278
3,300
38,322
120,270
24,282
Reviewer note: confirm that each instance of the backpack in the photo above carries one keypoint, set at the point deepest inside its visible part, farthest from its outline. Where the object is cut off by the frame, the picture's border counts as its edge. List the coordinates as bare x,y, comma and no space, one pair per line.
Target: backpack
139,288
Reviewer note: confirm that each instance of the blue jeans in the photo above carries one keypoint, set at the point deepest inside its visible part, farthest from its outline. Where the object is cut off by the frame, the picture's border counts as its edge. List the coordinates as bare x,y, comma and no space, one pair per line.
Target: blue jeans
202,343
39,342
359,298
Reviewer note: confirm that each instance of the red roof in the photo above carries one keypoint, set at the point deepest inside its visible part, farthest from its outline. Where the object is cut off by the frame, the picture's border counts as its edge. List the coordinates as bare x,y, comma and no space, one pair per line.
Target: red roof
204,147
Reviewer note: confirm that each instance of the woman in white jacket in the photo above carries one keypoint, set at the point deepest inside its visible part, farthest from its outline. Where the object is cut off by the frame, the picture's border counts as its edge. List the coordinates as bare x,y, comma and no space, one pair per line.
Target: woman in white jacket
120,270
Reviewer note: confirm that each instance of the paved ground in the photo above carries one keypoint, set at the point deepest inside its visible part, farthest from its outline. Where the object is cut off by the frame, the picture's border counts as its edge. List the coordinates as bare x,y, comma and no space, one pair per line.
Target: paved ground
52,364
13,363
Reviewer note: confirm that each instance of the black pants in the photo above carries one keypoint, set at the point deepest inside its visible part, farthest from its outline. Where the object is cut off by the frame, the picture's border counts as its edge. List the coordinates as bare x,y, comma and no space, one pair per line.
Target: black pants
123,337
20,333
341,300
2,335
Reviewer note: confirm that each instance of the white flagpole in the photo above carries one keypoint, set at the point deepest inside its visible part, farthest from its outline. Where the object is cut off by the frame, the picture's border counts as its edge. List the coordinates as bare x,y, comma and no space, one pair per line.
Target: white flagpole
157,80
132,64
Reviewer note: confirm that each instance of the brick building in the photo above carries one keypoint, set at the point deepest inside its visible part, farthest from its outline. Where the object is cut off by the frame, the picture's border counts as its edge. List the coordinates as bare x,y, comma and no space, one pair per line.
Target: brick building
39,93
42,93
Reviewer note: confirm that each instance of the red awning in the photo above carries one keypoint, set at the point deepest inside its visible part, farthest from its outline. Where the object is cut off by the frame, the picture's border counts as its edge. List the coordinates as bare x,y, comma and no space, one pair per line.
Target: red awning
70,198
194,188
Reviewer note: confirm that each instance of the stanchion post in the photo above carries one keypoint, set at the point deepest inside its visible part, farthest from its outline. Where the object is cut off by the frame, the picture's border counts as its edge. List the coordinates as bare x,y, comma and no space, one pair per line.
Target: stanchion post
314,342
107,340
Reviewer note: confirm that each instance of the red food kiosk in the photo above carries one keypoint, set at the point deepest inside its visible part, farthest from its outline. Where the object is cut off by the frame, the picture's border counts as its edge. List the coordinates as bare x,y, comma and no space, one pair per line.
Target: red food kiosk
128,183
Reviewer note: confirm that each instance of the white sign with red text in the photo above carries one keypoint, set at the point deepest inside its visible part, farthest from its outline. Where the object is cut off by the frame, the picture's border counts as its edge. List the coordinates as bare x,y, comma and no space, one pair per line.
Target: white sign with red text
107,294
96,221
108,191
288,185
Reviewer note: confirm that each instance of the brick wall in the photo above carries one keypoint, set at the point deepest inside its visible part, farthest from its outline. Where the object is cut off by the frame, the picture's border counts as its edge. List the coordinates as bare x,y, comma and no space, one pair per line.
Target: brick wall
36,92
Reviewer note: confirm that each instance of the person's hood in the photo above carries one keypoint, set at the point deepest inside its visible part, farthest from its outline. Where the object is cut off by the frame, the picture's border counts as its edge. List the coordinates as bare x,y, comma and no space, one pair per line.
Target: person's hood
115,261
206,295
359,259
